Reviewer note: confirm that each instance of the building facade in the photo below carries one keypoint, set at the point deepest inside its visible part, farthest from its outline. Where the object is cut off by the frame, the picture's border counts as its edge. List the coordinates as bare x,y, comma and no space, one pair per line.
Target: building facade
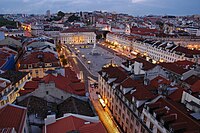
122,95
11,82
37,63
158,51
77,36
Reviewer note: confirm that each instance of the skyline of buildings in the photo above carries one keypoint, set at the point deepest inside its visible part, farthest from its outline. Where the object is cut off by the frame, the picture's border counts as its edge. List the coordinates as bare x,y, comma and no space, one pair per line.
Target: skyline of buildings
87,72
133,7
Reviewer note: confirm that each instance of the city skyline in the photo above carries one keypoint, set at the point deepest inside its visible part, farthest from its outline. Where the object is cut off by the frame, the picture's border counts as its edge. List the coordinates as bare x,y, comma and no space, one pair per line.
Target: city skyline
132,7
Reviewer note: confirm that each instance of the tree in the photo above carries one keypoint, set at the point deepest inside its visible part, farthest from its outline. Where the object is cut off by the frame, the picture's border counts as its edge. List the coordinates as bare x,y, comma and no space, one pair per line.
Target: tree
73,18
61,14
5,22
161,24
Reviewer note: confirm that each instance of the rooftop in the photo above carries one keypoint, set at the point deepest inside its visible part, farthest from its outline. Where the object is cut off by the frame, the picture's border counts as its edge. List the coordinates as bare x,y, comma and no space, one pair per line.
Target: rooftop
74,30
38,59
66,84
12,116
13,76
181,122
75,106
75,124
176,68
44,108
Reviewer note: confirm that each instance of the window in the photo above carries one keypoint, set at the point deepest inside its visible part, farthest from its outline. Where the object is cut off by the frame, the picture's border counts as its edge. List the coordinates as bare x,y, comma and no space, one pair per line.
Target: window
119,111
126,120
29,65
137,123
145,119
123,116
116,107
36,71
158,131
142,130
136,131
47,92
124,107
132,117
151,125
128,113
120,103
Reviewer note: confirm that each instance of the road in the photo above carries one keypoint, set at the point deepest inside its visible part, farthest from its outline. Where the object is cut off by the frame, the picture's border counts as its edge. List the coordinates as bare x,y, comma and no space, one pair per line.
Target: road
103,113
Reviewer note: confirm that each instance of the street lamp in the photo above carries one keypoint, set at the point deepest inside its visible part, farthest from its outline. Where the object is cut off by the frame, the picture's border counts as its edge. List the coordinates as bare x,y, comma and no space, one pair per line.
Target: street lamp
89,62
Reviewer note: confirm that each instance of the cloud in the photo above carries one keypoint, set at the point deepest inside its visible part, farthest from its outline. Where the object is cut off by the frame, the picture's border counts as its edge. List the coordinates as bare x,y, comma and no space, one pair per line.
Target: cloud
138,1
134,7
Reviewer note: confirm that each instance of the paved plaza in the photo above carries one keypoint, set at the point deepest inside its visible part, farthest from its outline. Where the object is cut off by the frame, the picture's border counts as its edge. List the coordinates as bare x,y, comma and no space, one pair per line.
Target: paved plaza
95,62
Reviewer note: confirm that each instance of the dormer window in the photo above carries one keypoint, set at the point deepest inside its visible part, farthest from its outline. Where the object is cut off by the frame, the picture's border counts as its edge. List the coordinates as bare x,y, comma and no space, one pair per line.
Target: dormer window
29,65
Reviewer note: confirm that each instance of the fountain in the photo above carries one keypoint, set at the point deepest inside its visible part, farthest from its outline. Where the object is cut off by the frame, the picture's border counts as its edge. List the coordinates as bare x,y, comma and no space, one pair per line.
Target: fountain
94,50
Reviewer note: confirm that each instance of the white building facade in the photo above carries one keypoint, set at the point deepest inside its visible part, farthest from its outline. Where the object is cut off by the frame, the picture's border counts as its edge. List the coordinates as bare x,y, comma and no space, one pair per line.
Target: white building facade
77,36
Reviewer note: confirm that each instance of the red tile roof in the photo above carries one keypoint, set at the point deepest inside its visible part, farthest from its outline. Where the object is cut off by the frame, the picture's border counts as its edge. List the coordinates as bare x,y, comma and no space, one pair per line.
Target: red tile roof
24,92
191,125
31,85
188,52
184,63
192,79
36,57
159,81
73,123
142,93
130,83
65,84
176,95
144,31
196,86
114,72
72,30
173,67
146,64
12,116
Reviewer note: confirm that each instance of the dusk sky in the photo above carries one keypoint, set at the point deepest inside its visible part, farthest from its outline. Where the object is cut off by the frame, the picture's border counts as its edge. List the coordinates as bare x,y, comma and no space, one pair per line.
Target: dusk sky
133,7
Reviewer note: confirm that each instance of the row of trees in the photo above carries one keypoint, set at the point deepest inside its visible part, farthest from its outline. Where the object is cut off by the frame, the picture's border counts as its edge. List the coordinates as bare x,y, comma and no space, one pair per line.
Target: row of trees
61,14
5,22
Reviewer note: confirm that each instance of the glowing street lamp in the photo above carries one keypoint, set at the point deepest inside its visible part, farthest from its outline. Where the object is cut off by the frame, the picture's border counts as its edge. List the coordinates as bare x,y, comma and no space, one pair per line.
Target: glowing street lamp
89,62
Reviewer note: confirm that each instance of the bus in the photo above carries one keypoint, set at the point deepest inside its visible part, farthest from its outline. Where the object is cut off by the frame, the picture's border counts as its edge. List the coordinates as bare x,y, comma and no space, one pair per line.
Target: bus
101,101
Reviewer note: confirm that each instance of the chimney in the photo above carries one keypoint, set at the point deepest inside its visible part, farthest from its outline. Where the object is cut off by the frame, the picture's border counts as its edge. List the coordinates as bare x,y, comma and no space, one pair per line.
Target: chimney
50,119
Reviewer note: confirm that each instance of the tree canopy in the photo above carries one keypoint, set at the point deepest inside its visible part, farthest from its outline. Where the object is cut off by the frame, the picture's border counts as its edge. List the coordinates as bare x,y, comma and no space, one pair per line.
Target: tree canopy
5,22
73,18
61,14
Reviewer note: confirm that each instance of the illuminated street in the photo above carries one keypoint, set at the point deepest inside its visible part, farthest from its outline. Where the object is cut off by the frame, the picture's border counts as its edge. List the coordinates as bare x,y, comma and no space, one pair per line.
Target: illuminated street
102,112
